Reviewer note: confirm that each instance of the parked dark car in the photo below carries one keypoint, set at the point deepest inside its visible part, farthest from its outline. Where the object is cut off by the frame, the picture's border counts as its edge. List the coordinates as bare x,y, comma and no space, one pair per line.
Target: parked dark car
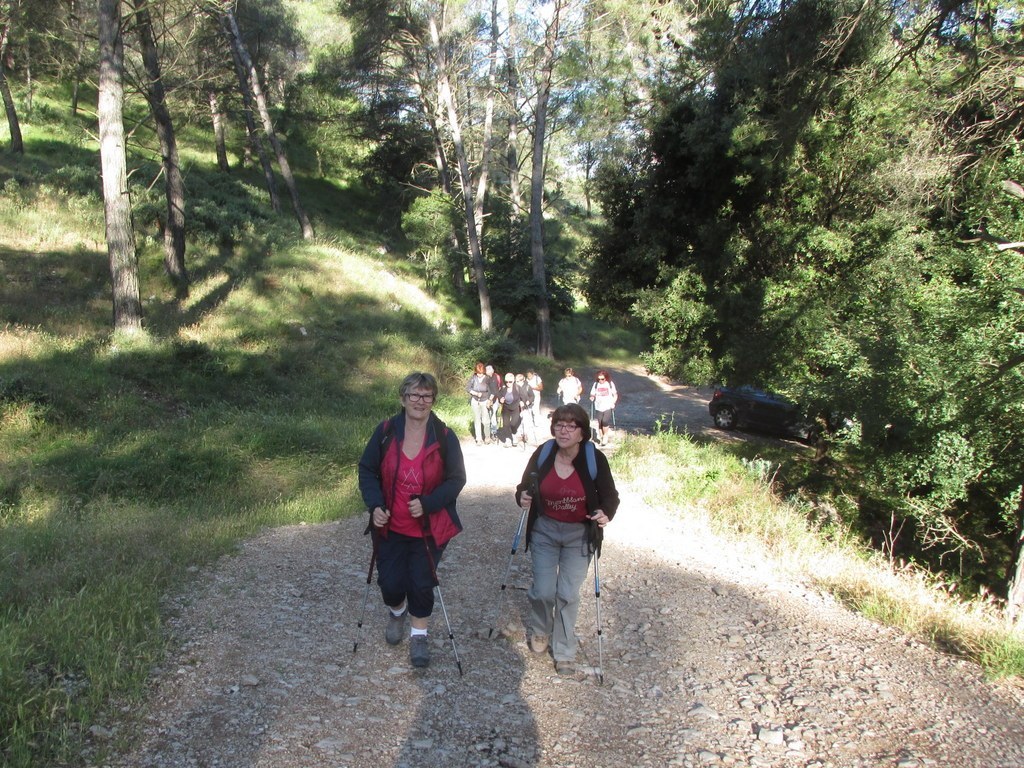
751,408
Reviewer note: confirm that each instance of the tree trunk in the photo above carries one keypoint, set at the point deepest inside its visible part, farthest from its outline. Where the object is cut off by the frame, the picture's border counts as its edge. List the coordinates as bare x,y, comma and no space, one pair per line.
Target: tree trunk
465,180
30,85
545,74
174,185
124,265
219,131
268,125
75,21
430,114
514,191
255,141
17,145
485,139
1015,593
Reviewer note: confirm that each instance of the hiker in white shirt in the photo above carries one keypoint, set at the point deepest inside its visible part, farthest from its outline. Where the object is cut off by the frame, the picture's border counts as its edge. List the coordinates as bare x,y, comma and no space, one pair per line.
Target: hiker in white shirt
570,389
604,397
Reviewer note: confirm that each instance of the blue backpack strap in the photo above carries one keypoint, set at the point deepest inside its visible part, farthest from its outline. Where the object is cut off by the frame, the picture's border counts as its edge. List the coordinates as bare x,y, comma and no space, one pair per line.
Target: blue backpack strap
589,450
545,451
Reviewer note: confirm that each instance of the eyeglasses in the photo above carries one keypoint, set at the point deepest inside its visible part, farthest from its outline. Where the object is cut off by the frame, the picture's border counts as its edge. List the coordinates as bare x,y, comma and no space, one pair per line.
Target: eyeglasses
418,398
563,426
600,378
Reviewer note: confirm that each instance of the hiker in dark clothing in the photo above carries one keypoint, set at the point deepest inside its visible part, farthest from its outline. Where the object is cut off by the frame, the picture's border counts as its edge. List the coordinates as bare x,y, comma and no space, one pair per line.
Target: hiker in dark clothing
577,499
526,400
410,475
510,399
495,407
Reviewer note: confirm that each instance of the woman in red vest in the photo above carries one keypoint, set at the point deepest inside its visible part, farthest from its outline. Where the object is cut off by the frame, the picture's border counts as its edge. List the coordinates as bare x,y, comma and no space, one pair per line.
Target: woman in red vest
410,475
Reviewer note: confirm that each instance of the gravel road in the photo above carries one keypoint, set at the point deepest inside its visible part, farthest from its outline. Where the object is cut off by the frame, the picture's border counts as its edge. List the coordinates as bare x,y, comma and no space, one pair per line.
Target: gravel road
709,656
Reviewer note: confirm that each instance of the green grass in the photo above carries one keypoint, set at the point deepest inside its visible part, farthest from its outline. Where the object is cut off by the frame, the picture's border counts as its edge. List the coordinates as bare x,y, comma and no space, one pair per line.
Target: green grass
734,492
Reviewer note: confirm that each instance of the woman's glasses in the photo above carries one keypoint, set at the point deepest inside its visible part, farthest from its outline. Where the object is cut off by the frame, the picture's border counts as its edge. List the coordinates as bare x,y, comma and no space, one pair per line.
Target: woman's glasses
418,398
566,426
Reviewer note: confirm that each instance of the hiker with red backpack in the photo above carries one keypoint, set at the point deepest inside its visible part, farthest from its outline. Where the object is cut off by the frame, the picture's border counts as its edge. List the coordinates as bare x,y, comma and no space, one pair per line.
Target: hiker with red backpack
410,476
570,493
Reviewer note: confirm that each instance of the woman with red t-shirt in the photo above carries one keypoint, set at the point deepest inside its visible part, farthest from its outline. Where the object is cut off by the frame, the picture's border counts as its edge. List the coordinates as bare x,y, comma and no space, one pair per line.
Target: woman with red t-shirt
564,530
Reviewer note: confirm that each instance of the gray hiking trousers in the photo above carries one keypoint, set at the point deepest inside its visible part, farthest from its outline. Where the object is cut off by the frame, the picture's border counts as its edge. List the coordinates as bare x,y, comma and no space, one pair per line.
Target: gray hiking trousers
560,564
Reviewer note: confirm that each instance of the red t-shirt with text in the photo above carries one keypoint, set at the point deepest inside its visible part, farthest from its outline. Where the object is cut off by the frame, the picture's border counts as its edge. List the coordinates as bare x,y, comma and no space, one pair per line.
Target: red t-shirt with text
564,498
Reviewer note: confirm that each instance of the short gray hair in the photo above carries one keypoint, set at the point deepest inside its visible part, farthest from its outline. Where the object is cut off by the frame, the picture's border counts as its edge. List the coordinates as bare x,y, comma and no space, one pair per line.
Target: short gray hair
418,380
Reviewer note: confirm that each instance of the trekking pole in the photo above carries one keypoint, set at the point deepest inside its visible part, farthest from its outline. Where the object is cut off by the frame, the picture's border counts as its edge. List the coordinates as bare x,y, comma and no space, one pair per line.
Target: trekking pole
451,635
508,567
593,429
597,597
425,524
366,595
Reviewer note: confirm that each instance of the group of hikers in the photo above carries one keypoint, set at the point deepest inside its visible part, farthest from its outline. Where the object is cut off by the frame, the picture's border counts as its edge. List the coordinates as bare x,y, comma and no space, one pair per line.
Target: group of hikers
518,402
410,476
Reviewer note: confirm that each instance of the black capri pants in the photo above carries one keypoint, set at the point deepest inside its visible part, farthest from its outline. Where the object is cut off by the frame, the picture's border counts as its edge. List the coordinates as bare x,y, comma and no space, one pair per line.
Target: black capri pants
404,571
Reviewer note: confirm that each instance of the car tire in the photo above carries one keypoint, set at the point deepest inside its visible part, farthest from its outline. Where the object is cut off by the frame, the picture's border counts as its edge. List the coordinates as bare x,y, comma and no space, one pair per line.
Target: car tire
725,417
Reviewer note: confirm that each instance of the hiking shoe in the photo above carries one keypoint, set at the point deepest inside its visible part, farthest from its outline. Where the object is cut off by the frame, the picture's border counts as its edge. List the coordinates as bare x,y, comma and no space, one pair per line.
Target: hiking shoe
395,630
565,668
538,643
419,650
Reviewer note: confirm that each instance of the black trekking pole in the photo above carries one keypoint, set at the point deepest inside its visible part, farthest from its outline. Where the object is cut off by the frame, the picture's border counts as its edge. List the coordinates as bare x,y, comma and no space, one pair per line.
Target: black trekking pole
425,524
593,429
597,597
508,566
366,592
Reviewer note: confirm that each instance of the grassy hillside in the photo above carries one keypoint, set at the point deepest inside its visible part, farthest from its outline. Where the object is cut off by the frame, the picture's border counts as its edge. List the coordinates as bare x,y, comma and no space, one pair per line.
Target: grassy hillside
127,462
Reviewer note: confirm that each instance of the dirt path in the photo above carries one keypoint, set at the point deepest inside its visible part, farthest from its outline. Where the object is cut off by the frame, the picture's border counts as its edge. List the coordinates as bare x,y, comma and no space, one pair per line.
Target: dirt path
710,657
